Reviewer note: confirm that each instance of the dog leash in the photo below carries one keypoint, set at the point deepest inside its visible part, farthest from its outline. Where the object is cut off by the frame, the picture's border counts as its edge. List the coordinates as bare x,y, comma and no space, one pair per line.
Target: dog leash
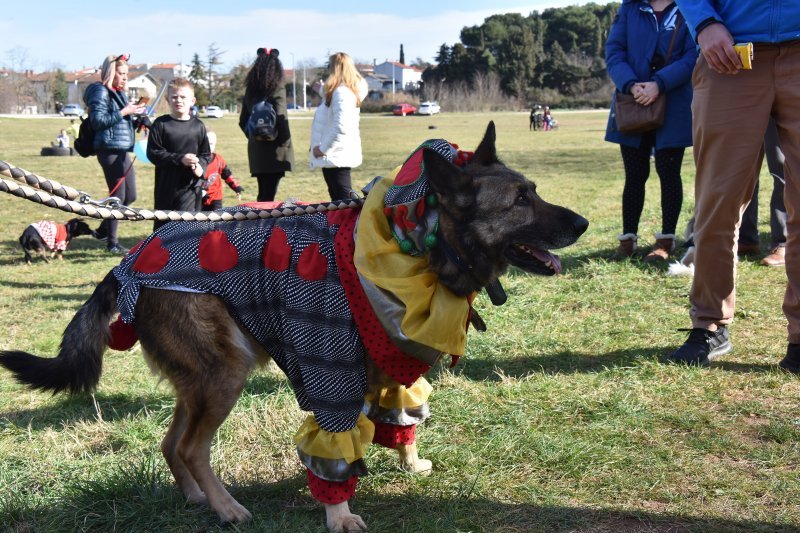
58,196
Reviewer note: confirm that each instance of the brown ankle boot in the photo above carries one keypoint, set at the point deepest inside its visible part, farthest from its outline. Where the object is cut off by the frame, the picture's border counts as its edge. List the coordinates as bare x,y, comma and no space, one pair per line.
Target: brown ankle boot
664,246
627,245
776,257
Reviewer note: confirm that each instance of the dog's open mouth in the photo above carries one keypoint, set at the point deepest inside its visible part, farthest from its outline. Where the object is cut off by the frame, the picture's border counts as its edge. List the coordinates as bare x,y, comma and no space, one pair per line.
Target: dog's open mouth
534,260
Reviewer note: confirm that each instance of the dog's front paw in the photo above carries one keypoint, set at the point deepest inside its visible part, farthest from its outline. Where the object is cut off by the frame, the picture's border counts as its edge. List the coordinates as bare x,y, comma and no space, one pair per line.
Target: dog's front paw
232,512
410,461
339,519
422,467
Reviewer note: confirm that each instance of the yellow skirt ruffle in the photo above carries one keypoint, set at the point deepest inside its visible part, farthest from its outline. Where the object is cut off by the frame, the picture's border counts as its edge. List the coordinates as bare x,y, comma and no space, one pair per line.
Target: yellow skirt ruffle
401,397
348,445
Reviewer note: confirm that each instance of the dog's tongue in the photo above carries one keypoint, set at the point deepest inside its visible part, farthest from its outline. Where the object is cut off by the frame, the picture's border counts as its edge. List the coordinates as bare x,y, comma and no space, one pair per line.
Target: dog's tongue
545,257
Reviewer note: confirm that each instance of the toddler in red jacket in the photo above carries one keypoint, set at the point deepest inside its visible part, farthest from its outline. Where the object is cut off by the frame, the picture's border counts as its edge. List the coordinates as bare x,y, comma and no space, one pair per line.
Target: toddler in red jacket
216,171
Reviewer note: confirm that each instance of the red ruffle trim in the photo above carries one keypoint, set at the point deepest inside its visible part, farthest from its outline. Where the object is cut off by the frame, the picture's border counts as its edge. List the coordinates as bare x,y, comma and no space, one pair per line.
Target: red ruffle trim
331,492
391,436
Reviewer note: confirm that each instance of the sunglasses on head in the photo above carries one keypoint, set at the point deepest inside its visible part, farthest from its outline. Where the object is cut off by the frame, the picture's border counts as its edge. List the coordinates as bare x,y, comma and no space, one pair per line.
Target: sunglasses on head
122,57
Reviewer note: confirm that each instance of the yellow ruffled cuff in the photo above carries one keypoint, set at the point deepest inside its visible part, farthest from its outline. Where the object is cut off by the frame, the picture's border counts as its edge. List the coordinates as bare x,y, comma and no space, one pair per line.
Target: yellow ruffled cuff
401,397
348,445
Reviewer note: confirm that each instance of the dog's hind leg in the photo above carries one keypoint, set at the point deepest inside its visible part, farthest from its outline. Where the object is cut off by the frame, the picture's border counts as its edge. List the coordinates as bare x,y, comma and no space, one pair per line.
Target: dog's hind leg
169,448
206,412
193,341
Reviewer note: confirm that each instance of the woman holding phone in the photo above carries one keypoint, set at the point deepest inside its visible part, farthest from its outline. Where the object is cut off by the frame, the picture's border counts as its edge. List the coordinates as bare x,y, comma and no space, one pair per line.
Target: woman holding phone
111,116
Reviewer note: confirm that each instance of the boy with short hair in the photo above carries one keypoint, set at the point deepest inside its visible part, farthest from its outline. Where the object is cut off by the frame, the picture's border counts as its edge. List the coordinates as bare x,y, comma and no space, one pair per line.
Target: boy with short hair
178,147
217,171
62,140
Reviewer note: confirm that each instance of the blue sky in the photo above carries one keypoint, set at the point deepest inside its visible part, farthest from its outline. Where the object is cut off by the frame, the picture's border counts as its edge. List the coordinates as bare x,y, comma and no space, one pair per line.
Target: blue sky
45,34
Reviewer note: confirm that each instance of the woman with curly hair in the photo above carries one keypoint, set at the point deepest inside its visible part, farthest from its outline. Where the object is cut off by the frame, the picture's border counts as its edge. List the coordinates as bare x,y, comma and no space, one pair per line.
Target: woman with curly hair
335,135
269,159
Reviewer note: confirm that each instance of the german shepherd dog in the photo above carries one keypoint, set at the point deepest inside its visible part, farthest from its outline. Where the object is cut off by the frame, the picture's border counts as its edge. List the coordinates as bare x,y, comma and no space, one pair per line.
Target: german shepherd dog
490,216
33,239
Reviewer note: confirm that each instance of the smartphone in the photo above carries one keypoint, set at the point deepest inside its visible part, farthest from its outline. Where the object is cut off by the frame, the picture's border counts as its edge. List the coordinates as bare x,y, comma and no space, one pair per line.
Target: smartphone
143,100
745,52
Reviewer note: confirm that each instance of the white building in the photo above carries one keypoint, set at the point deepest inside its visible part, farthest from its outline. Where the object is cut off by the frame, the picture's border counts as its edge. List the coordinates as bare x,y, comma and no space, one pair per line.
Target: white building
405,78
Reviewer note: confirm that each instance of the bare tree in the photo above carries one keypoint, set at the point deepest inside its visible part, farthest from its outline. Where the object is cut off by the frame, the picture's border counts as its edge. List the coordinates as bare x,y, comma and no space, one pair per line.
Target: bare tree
19,83
214,80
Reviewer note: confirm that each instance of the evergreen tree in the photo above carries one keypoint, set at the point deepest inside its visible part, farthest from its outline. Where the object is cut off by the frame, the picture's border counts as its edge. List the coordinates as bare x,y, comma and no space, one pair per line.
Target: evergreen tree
60,90
197,75
402,55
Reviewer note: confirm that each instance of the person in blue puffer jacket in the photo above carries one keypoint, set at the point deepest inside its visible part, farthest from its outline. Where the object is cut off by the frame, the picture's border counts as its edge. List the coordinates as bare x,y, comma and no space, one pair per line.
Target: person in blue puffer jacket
111,116
636,58
731,111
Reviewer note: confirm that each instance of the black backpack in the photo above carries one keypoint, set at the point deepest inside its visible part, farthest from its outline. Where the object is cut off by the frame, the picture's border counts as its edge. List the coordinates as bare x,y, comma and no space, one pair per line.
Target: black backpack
262,122
84,143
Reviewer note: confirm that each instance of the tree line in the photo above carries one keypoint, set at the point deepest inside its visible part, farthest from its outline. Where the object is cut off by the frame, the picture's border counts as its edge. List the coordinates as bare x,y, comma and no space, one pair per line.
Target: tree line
557,56
510,61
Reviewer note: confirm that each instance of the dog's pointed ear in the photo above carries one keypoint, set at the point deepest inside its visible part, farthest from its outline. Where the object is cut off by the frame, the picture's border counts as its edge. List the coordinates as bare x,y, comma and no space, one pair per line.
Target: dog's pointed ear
443,176
486,154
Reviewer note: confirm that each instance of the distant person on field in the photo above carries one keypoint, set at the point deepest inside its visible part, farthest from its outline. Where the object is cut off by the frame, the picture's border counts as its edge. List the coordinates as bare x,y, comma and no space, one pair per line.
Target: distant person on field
216,172
62,139
112,117
178,147
335,135
73,129
547,119
269,160
649,53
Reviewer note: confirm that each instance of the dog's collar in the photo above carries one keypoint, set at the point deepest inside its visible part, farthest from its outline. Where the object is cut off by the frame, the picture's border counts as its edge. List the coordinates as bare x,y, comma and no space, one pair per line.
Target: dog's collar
494,289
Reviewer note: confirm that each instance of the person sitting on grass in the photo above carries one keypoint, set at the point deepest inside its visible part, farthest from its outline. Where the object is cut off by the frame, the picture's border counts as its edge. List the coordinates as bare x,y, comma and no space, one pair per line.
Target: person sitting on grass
62,139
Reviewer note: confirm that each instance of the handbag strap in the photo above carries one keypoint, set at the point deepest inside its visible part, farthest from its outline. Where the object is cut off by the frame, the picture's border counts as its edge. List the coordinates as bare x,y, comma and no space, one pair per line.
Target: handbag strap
678,20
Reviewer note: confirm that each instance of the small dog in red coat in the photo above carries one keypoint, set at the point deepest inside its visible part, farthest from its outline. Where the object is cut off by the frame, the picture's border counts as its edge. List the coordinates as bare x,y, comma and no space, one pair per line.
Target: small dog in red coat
46,235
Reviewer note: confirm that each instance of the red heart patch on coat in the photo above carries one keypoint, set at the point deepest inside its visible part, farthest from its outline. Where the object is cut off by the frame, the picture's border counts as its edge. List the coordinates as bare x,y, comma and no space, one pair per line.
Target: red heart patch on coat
277,253
216,253
312,265
153,258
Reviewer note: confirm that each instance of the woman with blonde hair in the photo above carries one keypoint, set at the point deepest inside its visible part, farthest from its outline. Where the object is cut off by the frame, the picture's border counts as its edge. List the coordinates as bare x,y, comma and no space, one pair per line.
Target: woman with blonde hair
111,116
335,135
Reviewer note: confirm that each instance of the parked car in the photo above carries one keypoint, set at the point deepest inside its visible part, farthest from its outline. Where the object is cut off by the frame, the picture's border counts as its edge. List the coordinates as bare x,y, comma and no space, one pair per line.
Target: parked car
72,110
214,111
404,109
428,108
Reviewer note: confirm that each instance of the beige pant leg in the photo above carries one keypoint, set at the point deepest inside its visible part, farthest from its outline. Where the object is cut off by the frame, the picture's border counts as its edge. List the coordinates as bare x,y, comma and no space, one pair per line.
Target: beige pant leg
730,115
787,118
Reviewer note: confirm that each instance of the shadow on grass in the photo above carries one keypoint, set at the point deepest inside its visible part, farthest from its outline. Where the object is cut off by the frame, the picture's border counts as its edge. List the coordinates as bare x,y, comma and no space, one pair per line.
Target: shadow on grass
574,363
141,497
69,409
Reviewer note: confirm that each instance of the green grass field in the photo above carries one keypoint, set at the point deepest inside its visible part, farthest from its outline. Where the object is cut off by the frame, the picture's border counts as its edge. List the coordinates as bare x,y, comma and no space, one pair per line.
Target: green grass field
562,417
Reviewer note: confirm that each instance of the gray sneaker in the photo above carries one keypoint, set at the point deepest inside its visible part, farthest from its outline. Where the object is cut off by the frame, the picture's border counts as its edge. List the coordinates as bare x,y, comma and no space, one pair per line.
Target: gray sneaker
702,346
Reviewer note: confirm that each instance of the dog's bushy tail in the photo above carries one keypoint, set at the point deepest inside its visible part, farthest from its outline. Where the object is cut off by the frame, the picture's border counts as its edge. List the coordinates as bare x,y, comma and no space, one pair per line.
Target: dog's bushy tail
79,363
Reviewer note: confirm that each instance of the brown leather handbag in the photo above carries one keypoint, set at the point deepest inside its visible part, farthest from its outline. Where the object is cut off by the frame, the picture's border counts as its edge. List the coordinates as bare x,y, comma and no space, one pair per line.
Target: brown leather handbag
633,118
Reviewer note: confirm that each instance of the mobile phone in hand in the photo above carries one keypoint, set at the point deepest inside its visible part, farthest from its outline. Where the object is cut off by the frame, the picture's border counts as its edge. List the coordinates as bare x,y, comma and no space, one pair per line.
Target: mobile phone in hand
143,100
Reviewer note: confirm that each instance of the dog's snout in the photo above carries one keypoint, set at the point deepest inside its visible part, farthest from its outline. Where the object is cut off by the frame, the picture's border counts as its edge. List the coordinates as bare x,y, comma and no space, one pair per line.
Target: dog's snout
580,224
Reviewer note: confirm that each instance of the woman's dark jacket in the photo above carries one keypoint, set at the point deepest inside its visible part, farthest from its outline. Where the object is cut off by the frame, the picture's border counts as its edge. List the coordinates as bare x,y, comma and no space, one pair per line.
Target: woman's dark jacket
635,42
266,157
112,130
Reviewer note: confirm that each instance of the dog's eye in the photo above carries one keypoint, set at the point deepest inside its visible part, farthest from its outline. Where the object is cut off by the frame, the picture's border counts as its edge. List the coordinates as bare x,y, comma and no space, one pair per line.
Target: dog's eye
522,199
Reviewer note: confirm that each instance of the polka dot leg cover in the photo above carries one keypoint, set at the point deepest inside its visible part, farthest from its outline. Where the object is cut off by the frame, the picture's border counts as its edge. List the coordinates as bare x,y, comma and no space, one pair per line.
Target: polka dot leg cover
331,492
390,435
